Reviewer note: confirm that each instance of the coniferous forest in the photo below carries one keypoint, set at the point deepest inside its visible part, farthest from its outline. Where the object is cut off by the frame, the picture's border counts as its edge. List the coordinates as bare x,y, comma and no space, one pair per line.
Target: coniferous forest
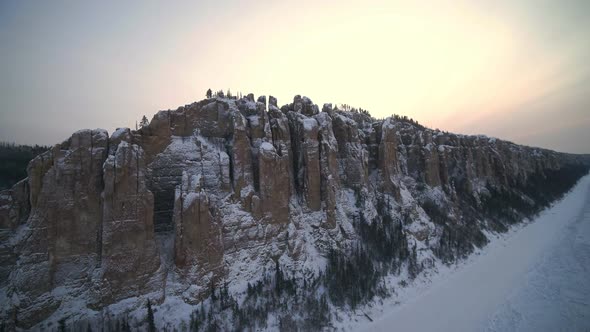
14,160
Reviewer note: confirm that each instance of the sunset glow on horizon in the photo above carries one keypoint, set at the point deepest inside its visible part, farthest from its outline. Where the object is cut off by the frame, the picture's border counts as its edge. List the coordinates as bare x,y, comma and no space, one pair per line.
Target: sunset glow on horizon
517,72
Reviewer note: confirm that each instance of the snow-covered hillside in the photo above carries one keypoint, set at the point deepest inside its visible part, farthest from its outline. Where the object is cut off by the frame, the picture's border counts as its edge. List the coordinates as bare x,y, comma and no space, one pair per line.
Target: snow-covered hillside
534,278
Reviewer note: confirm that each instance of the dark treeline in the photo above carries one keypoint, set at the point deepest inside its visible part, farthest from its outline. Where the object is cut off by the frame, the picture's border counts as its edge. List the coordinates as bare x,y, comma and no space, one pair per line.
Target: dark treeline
540,190
297,305
14,160
500,208
408,120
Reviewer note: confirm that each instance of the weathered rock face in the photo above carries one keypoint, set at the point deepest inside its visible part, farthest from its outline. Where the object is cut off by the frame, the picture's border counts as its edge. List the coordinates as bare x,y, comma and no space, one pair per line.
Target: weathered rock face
14,210
241,159
274,185
236,186
198,246
166,157
129,260
14,206
281,136
330,178
306,163
352,157
61,246
388,157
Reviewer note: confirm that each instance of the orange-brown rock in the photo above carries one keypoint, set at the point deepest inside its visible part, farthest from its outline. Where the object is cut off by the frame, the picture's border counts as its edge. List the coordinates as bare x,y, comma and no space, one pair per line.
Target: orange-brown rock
62,246
305,149
274,185
330,177
198,246
129,262
388,159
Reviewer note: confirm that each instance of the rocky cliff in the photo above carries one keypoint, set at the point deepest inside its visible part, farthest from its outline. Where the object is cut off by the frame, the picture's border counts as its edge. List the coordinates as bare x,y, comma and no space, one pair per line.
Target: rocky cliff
220,192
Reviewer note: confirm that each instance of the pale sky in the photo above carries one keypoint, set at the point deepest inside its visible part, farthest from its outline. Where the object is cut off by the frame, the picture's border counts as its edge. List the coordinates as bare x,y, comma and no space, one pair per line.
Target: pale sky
517,70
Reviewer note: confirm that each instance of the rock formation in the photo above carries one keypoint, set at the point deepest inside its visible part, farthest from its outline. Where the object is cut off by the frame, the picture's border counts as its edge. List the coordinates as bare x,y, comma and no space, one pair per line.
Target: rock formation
237,185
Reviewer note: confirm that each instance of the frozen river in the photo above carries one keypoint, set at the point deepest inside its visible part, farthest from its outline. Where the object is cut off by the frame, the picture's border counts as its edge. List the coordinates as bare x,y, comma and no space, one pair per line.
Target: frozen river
554,295
536,278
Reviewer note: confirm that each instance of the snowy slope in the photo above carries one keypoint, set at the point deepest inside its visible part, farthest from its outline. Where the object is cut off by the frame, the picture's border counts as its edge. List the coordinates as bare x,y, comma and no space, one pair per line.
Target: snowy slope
555,293
534,278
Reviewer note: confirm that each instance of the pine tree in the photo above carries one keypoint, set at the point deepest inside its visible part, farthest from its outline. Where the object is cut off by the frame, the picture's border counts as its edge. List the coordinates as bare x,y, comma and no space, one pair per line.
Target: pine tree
279,278
125,326
194,322
202,313
144,122
150,317
250,290
213,296
61,325
413,268
209,93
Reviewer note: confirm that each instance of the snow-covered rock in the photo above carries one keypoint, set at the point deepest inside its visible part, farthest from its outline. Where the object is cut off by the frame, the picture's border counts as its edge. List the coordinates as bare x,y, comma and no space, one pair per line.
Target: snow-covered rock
234,186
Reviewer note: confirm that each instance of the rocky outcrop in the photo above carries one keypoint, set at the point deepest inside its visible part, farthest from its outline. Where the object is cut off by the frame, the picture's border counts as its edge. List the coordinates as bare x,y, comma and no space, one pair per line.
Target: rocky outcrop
329,176
14,206
352,157
198,246
129,263
241,156
60,244
221,190
388,157
306,163
274,185
14,210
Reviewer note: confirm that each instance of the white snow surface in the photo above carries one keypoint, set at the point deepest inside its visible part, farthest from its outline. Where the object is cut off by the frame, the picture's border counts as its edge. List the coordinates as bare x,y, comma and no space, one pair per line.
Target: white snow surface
534,278
309,124
266,146
119,132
